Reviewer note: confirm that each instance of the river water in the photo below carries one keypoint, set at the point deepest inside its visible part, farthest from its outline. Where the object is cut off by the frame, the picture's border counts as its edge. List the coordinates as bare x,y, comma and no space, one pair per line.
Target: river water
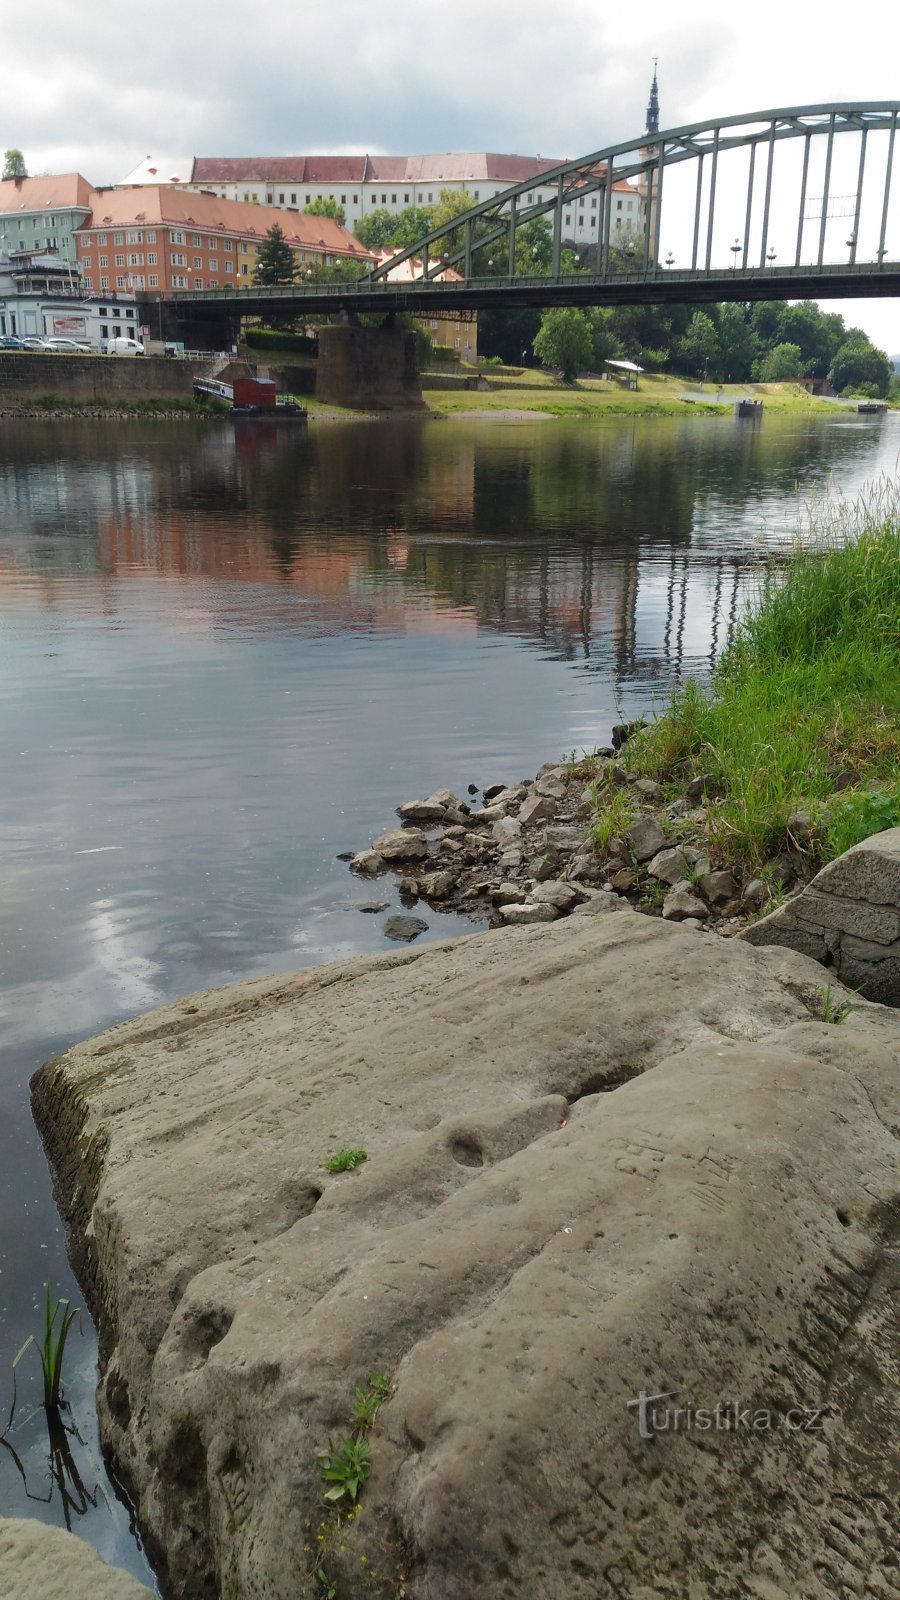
227,653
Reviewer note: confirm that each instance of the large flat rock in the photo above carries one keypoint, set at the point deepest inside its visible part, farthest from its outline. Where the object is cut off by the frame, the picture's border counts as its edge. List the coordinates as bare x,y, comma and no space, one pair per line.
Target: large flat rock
605,1157
42,1563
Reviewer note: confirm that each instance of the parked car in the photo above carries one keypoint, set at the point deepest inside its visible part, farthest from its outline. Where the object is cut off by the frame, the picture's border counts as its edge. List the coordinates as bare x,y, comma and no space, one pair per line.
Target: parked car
8,341
69,345
33,343
124,347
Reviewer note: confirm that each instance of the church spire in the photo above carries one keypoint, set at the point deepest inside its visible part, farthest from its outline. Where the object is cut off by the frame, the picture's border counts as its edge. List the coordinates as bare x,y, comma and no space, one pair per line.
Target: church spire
653,106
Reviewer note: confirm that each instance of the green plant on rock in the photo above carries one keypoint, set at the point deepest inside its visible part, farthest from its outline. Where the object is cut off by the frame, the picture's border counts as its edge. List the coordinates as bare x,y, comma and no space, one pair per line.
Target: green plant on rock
612,816
654,893
345,1469
834,1010
346,1159
855,814
51,1348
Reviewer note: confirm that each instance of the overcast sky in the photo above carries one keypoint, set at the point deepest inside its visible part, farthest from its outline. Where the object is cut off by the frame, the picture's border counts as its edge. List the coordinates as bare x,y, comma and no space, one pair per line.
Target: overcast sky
97,91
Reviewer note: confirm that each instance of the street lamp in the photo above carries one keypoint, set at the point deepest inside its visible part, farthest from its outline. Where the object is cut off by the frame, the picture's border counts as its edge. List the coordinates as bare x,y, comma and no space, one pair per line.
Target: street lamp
735,248
523,355
851,245
669,259
770,255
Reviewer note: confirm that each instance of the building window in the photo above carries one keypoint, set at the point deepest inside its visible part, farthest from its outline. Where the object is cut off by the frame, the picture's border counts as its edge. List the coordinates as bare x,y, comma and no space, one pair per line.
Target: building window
228,246
293,199
244,247
104,261
153,281
198,263
179,281
269,199
118,238
343,199
244,269
134,236
618,205
430,197
384,199
196,241
280,202
309,200
178,258
120,282
393,199
151,258
212,283
406,199
88,281
151,235
120,261
135,259
104,329
137,281
101,237
227,266
356,199
177,236
213,264
129,313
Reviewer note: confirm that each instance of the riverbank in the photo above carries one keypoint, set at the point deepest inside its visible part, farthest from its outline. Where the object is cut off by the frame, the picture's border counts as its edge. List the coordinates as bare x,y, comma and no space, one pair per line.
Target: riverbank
656,395
732,799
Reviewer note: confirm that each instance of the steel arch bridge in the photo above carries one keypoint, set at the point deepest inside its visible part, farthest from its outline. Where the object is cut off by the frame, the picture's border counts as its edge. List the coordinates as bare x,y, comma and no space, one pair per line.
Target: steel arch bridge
824,177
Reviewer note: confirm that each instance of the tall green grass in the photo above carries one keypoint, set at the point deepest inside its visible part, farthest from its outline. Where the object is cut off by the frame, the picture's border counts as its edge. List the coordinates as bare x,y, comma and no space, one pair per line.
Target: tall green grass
808,689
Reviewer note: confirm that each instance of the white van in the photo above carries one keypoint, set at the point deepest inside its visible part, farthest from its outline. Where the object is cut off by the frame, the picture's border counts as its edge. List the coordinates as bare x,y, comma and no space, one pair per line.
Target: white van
124,347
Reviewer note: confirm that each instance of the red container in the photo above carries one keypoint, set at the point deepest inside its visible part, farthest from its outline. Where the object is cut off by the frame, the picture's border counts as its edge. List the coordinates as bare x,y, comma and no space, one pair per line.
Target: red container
258,392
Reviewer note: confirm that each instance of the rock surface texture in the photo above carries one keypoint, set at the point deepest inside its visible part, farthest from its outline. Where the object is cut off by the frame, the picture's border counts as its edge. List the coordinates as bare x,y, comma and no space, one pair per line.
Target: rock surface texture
605,1156
41,1563
848,917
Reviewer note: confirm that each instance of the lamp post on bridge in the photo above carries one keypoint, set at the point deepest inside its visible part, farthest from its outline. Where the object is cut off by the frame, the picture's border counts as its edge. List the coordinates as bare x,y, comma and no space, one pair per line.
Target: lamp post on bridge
770,255
735,249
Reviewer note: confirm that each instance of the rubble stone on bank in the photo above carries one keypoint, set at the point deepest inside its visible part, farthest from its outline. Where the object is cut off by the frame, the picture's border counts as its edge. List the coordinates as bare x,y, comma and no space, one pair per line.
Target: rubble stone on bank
38,1562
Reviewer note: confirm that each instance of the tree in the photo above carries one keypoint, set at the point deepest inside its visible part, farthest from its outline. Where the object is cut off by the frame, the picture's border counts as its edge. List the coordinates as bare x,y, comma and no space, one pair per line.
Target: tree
859,364
699,348
275,261
14,164
781,364
737,344
326,208
564,341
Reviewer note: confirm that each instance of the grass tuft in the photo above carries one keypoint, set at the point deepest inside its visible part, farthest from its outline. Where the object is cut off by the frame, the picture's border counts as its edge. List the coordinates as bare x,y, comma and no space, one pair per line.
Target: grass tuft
51,1348
808,688
345,1160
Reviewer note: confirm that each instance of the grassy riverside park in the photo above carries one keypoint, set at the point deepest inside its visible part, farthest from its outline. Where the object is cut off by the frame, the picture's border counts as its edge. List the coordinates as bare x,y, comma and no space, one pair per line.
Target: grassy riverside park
658,394
800,726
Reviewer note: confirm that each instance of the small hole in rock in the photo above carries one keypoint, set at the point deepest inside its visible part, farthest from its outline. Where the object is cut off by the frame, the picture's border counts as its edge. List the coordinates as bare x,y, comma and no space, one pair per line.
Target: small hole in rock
843,1219
466,1153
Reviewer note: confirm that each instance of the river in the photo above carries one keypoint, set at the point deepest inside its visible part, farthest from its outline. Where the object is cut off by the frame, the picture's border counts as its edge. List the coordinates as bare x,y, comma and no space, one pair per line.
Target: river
227,653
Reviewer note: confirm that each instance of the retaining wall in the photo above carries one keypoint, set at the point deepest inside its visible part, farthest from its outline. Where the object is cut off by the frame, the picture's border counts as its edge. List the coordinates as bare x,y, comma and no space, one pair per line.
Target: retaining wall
26,376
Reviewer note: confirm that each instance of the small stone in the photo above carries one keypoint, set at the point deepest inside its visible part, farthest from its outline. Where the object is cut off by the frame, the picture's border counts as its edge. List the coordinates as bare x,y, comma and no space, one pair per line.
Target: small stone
567,839
473,789
402,928
691,922
345,855
707,786
510,860
437,885
373,905
402,844
491,791
531,911
368,864
456,816
648,788
536,808
677,808
717,887
646,838
585,869
541,868
510,797
669,866
599,903
456,831
682,902
799,827
447,799
508,894
451,846
622,732
552,787
554,893
421,811
507,831
781,871
492,813
623,881
755,893
408,888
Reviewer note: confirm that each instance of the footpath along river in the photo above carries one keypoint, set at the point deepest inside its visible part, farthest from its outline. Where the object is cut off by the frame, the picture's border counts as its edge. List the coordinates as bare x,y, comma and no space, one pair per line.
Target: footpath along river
226,655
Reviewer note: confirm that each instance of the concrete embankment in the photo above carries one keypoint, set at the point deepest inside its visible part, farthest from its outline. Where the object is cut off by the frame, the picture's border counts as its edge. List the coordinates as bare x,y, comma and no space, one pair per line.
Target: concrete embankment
606,1158
26,377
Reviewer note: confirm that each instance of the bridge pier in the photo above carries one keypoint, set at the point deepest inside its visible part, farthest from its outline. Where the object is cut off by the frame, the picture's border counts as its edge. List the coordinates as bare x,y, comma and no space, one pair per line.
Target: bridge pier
370,369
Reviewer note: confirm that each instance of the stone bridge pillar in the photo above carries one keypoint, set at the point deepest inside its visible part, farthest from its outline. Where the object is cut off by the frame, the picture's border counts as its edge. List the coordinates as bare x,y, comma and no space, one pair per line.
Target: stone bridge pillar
373,369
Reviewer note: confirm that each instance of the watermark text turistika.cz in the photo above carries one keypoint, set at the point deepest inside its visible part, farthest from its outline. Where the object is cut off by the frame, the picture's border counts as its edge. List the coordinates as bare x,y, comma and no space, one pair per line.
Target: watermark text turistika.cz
726,1416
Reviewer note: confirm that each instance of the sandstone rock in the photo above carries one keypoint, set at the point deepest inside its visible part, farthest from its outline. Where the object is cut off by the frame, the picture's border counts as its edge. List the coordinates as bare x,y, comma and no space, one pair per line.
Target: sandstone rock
553,893
648,789
604,900
447,799
848,917
566,838
457,816
38,1562
551,786
683,901
369,864
401,844
491,813
524,1252
451,846
707,786
510,860
373,905
456,830
510,797
646,838
438,885
431,810
624,880
507,831
403,928
669,866
540,868
492,790
529,912
508,894
536,808
717,887
755,892
586,869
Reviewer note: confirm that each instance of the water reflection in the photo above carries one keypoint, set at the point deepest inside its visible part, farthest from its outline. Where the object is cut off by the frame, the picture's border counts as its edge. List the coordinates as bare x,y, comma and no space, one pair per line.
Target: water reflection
226,655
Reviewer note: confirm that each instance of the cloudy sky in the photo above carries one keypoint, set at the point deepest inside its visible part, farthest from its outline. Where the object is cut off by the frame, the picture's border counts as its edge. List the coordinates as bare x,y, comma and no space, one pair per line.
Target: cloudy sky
97,93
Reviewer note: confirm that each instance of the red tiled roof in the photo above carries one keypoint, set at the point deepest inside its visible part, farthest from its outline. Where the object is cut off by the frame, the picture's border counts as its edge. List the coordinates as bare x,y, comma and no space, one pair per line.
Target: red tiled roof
58,192
184,208
277,169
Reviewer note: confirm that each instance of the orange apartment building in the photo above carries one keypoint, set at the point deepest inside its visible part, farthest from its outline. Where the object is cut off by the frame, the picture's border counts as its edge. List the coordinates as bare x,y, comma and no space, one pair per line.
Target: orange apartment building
161,238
